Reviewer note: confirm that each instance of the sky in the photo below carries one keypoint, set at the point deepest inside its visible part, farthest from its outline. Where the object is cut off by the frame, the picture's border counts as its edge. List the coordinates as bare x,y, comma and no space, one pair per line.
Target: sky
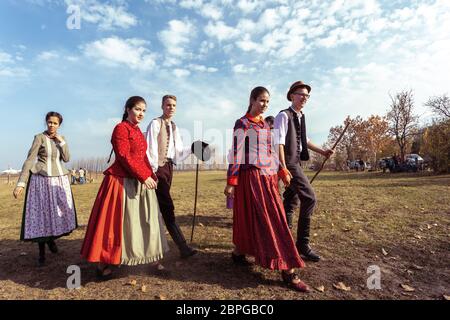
210,54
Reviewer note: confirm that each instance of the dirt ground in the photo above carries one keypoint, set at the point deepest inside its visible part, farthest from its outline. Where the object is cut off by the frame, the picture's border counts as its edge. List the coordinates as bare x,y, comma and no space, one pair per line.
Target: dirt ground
399,223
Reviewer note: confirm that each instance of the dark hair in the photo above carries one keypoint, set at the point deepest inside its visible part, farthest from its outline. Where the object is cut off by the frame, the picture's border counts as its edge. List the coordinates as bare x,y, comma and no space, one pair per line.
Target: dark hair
256,92
270,120
168,96
131,102
54,114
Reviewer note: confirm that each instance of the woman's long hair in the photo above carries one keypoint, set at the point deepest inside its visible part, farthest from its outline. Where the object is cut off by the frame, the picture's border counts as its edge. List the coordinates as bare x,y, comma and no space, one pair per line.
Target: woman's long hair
131,102
256,92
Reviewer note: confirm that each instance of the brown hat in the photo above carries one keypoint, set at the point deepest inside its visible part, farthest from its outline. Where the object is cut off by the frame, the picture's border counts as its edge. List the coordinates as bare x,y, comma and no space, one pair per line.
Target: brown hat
295,85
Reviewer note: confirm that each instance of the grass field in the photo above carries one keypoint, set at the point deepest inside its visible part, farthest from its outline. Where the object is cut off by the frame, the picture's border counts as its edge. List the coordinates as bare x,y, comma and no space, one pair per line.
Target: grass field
400,223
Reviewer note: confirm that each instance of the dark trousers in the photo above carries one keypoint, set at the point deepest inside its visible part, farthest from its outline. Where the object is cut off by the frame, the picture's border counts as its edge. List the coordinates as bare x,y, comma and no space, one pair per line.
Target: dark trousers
165,174
300,190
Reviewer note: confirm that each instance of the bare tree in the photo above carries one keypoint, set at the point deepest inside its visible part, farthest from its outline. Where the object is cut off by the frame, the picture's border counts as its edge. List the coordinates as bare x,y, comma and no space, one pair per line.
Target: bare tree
402,121
440,105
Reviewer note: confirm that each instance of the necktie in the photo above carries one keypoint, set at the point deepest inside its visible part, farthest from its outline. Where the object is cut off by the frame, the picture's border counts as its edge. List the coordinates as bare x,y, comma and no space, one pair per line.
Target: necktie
304,155
301,131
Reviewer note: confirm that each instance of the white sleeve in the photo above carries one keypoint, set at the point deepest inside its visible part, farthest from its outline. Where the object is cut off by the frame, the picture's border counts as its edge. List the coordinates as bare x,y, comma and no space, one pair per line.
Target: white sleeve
152,143
280,128
180,153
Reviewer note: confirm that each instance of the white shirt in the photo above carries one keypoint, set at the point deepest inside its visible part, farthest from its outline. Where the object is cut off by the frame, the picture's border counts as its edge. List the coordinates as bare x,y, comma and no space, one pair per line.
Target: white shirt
176,152
280,127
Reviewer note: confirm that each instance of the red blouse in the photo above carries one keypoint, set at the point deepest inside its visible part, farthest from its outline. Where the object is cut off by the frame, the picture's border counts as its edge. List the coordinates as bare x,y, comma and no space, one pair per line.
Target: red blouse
130,149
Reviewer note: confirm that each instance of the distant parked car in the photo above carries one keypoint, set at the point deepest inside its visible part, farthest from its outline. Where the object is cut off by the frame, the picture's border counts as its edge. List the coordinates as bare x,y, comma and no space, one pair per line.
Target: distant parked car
413,159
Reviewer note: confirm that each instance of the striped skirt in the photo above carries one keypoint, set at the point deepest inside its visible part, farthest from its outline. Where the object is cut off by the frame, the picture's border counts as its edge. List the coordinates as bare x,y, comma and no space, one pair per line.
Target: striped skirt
259,223
125,226
49,210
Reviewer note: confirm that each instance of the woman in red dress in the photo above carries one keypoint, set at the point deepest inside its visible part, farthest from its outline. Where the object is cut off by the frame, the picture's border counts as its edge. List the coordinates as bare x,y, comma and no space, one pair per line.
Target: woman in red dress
125,225
259,224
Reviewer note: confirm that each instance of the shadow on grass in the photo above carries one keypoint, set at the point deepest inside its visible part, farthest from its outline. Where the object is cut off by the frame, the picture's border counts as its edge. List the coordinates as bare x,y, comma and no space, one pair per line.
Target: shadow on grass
212,221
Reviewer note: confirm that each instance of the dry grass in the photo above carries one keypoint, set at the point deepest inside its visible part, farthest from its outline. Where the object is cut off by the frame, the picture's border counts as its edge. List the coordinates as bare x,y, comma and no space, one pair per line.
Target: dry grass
358,216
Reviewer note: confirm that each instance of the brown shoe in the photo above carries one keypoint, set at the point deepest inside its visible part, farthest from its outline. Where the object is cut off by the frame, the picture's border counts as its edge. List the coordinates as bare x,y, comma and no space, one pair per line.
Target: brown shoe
293,281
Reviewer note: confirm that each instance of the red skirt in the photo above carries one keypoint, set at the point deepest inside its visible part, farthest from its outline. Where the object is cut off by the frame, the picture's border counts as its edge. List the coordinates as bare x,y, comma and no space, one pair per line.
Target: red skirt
102,242
125,226
259,222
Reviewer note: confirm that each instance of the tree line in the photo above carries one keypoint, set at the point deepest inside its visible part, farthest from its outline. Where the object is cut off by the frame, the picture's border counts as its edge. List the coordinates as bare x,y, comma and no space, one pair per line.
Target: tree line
396,133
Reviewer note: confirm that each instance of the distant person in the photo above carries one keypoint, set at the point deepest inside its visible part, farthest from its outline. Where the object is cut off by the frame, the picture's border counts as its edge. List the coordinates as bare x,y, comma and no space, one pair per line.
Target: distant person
81,175
362,165
270,121
73,176
49,209
125,226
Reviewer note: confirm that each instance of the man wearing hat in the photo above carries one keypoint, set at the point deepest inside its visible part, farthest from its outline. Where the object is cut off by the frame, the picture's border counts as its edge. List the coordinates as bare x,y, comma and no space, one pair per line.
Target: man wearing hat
165,148
293,144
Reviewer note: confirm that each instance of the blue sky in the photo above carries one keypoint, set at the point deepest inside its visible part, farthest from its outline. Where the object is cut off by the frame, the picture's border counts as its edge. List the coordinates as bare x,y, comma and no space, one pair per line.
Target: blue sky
210,54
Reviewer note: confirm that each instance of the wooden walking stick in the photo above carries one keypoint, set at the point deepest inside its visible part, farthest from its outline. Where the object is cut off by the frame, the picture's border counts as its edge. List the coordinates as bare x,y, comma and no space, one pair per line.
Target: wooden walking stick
334,146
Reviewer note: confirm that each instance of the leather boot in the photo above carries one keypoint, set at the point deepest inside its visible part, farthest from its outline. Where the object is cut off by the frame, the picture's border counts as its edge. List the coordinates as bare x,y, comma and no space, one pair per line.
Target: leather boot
41,260
303,247
289,218
52,246
177,235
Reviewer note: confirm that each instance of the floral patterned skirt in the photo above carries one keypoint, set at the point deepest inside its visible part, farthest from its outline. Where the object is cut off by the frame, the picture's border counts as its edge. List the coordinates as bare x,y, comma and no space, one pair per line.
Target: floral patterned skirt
49,210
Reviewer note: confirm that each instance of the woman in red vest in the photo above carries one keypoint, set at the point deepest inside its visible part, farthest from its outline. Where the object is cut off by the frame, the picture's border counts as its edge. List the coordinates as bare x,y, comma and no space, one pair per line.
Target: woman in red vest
125,225
259,223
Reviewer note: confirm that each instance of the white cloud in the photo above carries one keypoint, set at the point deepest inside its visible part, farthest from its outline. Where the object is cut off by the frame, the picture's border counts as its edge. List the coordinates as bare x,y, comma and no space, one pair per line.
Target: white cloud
9,67
176,37
191,4
273,17
248,6
221,31
342,36
240,68
211,11
5,57
14,72
47,55
180,73
72,58
247,44
205,47
201,68
115,51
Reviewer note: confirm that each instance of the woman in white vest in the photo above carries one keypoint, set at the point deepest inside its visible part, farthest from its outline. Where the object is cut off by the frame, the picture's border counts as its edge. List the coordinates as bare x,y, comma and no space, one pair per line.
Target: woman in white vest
49,210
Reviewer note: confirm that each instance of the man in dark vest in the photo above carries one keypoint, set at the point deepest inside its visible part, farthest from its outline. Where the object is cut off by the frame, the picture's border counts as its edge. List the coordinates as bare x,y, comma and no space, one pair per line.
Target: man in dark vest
293,144
164,149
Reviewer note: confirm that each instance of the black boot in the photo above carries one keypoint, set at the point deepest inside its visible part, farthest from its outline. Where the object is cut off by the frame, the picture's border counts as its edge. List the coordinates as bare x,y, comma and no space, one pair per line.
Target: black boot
52,246
177,235
289,218
41,260
303,247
